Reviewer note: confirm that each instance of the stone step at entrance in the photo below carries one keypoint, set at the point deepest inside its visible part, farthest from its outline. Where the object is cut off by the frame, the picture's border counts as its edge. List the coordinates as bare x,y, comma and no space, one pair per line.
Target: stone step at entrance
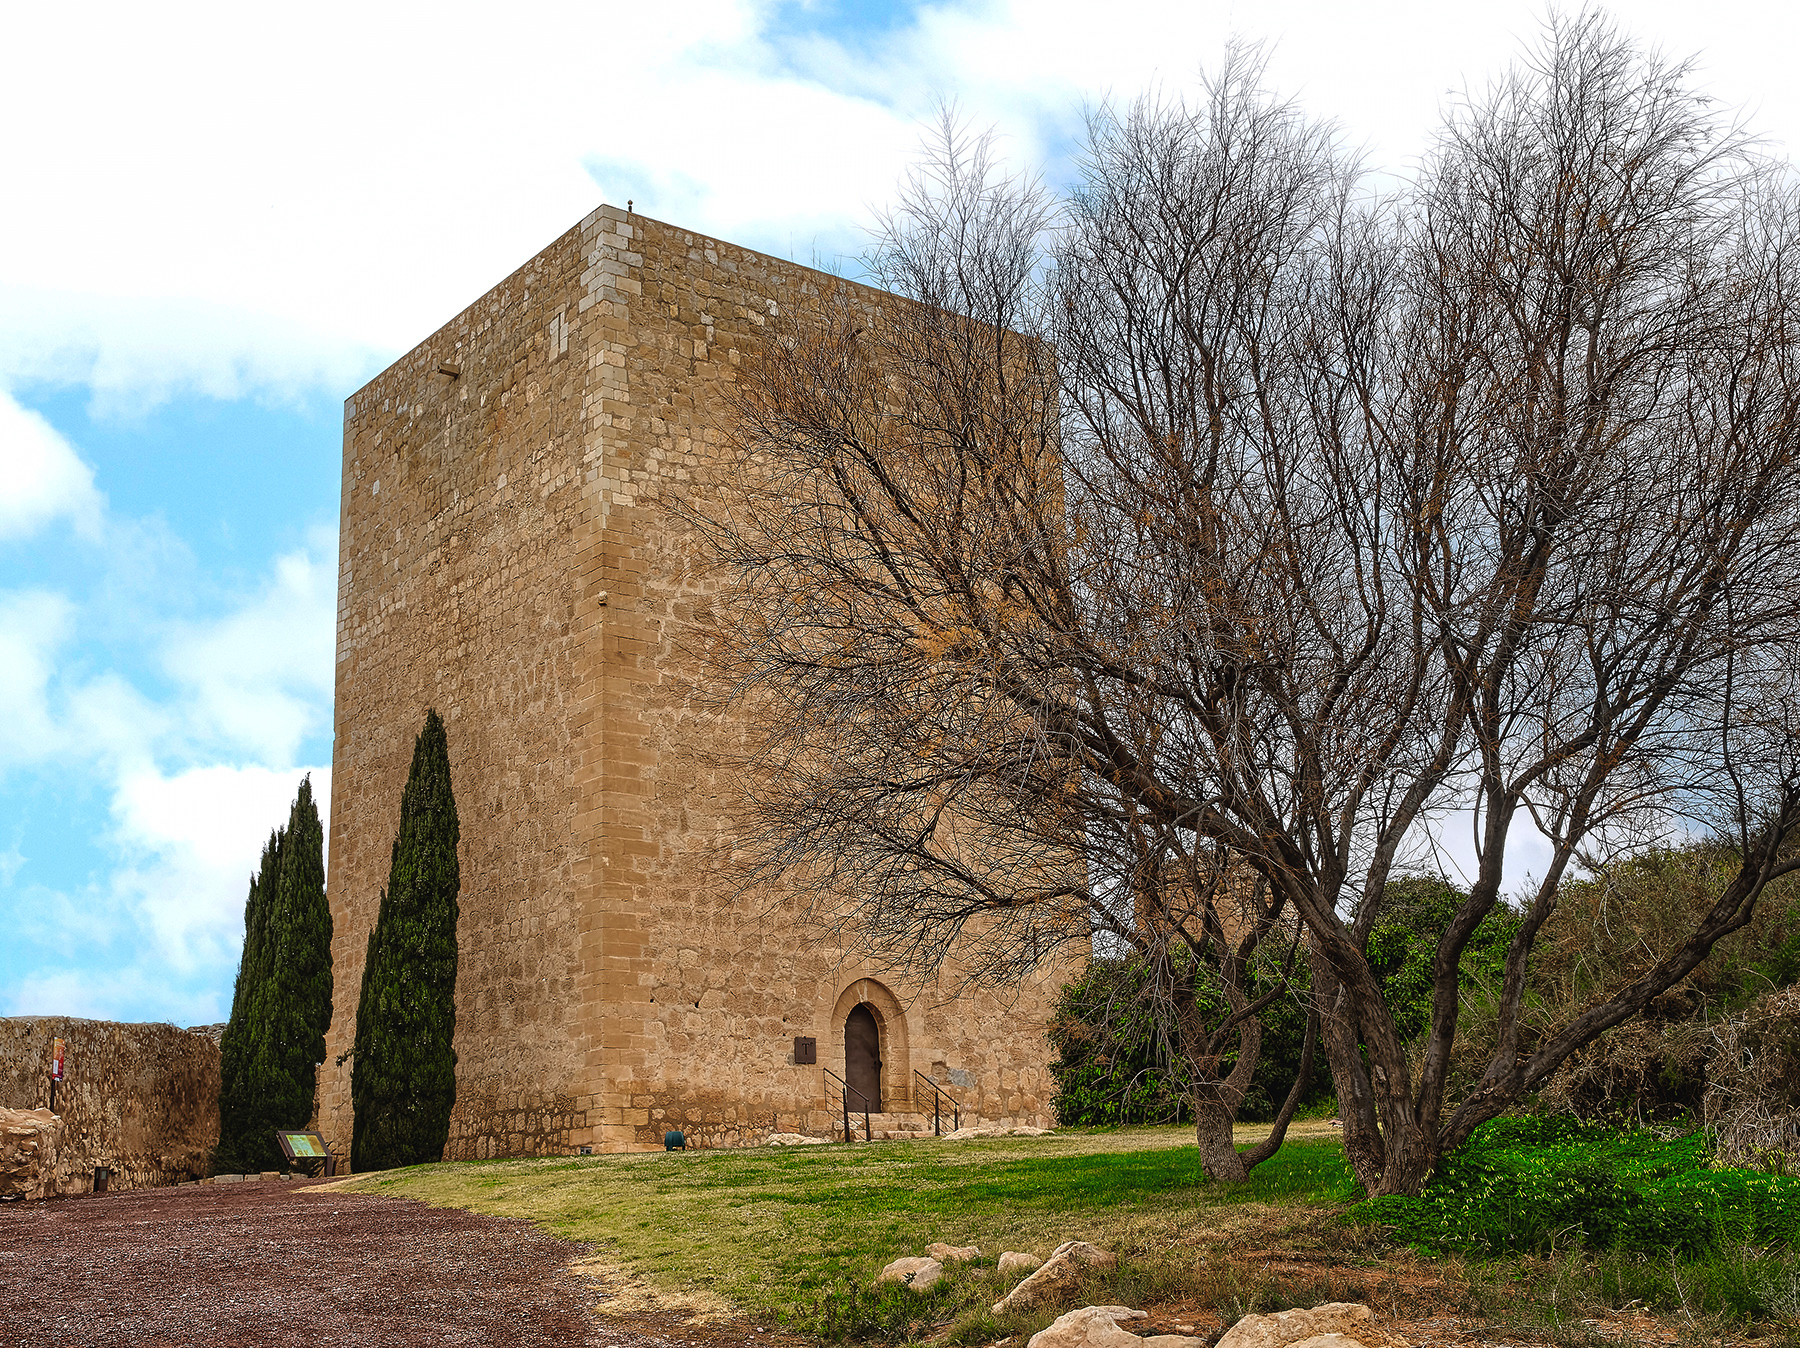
895,1126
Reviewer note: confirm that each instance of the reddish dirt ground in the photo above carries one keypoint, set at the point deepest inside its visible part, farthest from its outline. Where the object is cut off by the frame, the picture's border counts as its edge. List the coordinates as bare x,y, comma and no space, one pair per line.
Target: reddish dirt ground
267,1264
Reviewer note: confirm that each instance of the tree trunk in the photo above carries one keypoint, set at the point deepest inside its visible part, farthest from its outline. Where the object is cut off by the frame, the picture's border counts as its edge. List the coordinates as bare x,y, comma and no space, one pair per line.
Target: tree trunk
1356,1097
1409,1157
1218,1154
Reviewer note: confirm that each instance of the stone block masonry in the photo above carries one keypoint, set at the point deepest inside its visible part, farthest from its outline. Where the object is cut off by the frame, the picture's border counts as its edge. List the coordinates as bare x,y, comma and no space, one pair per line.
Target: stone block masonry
507,556
142,1100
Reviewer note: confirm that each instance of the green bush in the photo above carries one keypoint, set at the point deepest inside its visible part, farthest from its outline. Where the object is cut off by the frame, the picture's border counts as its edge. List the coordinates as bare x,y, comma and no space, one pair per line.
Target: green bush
1116,1066
1415,911
1530,1185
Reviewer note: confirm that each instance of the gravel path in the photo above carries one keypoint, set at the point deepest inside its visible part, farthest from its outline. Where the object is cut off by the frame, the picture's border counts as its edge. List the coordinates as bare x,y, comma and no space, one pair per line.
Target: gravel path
271,1265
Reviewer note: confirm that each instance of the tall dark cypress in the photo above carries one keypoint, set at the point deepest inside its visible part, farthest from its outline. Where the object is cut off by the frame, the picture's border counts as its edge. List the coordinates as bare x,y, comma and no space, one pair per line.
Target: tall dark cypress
403,1080
281,1008
238,1046
298,1008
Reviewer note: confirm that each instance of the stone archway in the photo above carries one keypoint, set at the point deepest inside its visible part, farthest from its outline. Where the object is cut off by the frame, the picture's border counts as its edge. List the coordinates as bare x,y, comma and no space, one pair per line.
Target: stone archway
881,1011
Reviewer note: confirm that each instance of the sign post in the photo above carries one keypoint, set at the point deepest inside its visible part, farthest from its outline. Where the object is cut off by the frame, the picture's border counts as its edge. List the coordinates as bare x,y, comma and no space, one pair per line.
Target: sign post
307,1148
57,1049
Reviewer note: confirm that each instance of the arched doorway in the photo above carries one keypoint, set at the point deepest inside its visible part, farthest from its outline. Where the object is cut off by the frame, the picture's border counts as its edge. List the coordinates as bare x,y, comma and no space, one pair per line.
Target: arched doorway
862,1057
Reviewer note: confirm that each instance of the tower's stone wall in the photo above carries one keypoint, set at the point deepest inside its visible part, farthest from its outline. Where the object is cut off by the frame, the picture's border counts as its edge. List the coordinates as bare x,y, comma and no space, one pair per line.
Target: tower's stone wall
519,570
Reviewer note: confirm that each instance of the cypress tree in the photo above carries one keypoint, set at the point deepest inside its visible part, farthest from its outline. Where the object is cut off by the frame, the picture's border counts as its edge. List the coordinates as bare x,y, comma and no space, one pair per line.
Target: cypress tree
281,1007
403,1081
237,1105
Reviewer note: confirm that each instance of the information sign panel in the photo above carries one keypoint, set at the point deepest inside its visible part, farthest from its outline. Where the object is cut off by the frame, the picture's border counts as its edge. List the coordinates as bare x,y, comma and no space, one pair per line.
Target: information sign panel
302,1146
56,1059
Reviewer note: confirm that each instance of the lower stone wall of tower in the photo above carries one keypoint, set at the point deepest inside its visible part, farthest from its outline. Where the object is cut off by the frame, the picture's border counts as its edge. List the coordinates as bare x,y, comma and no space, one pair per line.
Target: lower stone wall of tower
519,1122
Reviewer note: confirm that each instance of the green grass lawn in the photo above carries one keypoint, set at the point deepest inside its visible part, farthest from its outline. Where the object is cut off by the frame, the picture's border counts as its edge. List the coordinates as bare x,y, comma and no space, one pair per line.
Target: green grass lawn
796,1234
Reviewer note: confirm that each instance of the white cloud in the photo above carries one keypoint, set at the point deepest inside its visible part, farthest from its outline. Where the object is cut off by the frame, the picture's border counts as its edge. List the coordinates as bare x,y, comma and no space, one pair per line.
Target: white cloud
115,994
34,624
42,478
133,352
260,678
201,832
161,931
197,766
242,203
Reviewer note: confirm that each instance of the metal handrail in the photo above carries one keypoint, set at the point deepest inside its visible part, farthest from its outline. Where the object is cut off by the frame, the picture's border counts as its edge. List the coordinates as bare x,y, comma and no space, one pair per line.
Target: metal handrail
845,1090
938,1094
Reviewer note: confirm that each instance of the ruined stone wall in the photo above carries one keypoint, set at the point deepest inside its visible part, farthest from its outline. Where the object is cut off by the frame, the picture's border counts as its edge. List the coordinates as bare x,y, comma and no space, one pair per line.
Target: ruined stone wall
142,1100
519,569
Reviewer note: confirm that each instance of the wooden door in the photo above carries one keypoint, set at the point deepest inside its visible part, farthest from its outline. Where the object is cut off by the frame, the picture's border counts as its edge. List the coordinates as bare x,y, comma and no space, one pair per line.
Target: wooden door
862,1058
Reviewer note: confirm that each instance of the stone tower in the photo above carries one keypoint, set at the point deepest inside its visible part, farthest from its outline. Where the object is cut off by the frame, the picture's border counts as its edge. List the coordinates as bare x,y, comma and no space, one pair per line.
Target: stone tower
506,557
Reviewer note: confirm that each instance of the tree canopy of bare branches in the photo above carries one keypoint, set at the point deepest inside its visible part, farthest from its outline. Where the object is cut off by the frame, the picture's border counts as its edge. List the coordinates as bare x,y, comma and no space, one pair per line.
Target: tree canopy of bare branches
1188,586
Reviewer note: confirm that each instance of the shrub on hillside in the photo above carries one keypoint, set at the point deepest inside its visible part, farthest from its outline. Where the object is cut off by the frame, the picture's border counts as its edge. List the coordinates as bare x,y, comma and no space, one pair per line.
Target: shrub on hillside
1612,928
1114,1064
1533,1184
1752,1101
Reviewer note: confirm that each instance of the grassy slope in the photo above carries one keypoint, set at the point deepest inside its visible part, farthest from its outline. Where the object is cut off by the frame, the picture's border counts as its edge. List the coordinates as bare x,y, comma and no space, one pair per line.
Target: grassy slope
770,1229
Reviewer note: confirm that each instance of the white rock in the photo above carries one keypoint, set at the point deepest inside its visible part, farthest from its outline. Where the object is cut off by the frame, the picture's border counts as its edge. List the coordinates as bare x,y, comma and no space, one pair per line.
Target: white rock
1016,1265
28,1142
1171,1341
1341,1318
994,1130
1056,1277
1089,1327
917,1274
793,1140
952,1254
1329,1341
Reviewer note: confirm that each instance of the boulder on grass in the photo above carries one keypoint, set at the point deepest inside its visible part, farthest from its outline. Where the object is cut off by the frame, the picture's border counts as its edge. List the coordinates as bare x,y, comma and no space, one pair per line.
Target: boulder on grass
1090,1327
1336,1324
792,1140
952,1254
917,1274
1056,1278
28,1141
1016,1265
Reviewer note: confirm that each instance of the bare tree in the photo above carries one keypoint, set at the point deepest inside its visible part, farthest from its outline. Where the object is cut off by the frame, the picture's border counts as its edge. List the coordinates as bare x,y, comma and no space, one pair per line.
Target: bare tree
929,665
1194,590
1486,508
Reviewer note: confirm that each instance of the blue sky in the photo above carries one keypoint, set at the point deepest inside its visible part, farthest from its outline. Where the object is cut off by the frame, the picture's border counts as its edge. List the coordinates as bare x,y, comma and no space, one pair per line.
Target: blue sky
222,219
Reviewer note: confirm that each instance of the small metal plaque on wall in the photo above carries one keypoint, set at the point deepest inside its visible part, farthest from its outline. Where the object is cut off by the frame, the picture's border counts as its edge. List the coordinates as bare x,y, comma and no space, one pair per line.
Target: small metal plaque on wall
806,1051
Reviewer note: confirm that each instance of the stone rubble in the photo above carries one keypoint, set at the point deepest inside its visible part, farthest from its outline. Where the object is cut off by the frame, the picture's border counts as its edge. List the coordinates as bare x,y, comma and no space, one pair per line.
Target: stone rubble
1014,1264
793,1140
1337,1324
918,1274
1090,1327
953,1254
994,1130
1056,1277
28,1145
